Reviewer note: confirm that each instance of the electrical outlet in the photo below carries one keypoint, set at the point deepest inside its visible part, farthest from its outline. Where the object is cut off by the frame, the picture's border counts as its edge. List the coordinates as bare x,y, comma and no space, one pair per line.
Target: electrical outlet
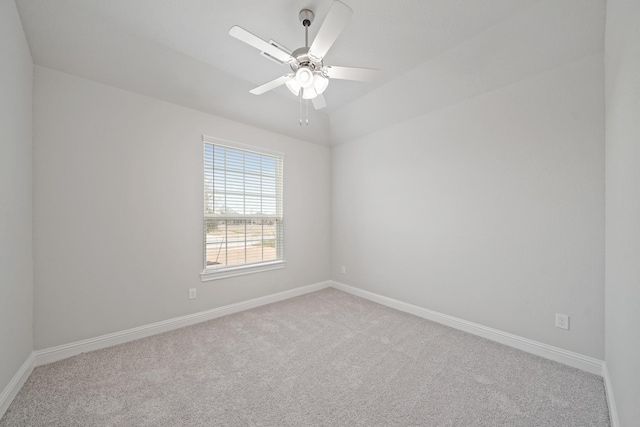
192,293
562,321
344,270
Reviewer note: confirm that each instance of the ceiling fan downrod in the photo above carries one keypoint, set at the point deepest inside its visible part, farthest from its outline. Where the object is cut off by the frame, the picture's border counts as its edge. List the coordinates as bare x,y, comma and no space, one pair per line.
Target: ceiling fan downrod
306,18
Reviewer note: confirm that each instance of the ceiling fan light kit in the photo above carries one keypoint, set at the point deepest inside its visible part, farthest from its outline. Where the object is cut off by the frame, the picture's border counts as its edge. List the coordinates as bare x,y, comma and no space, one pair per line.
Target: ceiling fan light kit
293,85
320,83
310,77
304,77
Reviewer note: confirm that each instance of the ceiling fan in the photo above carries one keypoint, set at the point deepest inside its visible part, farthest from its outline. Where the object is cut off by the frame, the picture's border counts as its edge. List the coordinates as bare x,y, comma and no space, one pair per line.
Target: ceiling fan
309,77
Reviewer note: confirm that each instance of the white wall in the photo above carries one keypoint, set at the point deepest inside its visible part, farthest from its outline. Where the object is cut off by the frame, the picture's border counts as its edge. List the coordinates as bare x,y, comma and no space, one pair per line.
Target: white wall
16,269
622,62
490,209
118,210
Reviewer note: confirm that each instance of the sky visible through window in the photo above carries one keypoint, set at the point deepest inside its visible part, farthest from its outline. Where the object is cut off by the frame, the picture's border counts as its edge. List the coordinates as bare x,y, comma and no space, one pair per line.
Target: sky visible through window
239,182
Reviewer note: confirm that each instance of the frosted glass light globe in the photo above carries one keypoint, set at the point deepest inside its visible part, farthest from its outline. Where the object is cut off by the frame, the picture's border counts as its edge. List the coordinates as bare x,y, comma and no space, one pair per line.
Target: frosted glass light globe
320,83
309,93
293,86
304,77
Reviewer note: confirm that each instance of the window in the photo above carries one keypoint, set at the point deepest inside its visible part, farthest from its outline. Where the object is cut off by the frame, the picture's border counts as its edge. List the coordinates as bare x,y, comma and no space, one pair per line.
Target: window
243,221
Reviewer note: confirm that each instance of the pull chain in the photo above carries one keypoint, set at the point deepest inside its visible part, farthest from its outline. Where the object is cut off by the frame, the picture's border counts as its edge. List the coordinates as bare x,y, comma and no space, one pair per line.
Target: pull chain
306,112
300,109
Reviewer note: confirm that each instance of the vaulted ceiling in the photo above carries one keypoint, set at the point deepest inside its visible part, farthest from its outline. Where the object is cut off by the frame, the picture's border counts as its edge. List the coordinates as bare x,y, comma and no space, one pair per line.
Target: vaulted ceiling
181,52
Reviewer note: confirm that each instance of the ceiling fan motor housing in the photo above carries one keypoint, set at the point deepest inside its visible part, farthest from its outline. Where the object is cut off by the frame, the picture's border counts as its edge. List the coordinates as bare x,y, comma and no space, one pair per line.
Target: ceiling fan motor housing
303,59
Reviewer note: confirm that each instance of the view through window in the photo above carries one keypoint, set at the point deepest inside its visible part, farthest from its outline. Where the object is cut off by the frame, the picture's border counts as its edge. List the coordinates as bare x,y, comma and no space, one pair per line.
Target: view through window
243,223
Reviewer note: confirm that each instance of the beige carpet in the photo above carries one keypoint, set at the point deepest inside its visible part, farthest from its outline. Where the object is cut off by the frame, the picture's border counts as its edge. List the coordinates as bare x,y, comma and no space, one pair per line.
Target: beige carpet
326,359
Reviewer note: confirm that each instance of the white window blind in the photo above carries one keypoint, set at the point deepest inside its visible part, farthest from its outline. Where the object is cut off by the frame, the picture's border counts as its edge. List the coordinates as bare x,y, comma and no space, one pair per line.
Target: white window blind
243,215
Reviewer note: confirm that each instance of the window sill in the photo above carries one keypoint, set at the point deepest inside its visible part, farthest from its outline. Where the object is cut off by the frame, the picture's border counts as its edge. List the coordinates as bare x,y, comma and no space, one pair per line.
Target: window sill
212,274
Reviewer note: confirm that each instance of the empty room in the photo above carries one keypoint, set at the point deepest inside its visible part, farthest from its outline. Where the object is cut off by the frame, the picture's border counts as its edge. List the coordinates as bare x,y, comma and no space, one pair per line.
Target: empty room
320,213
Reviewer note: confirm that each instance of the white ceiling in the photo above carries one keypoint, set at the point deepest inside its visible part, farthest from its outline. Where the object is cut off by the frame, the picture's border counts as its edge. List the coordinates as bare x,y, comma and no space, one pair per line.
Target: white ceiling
180,51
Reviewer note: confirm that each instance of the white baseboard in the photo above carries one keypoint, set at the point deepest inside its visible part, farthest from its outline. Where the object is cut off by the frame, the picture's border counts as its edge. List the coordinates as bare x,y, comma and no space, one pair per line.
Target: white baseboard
42,357
16,383
53,354
566,357
611,402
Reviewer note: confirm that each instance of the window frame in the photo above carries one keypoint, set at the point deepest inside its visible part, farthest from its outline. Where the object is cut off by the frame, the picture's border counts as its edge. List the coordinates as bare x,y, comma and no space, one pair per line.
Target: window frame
209,273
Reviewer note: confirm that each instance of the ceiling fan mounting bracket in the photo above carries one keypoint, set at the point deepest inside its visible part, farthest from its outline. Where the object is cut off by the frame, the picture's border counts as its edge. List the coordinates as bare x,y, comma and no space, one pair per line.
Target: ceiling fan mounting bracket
306,17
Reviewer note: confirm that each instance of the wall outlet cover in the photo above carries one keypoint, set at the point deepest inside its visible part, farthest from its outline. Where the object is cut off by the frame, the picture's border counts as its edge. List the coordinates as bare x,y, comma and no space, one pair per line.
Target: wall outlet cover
562,321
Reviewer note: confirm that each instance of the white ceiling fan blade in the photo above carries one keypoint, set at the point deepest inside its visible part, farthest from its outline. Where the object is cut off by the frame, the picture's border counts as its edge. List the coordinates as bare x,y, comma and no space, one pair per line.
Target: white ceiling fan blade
336,19
351,73
271,85
255,41
319,102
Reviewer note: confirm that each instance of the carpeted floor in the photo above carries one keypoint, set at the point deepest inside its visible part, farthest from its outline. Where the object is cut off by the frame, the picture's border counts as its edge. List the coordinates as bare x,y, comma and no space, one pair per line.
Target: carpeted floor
327,358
